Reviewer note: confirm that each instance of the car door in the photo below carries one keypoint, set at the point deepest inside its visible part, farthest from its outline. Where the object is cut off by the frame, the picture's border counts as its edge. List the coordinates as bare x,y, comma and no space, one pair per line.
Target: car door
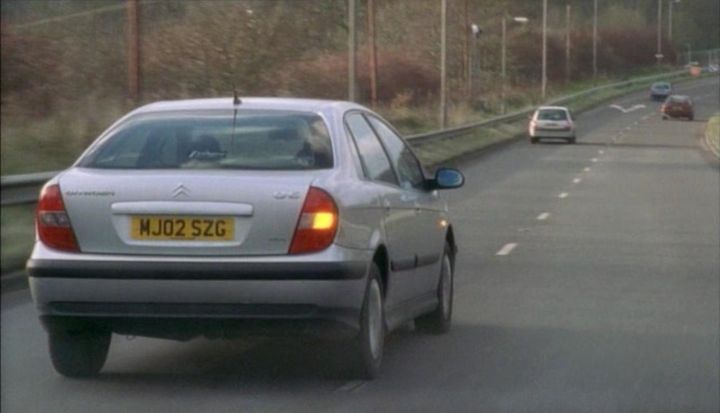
399,211
426,229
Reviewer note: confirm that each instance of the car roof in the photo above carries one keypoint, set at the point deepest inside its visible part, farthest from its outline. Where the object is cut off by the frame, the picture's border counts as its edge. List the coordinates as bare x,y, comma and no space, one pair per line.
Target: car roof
257,103
553,108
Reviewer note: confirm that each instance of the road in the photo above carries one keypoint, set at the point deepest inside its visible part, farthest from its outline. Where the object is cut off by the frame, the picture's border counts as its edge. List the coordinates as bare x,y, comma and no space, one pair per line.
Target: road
587,281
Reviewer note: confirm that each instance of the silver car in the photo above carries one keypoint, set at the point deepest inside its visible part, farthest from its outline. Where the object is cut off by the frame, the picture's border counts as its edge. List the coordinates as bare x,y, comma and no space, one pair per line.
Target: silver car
227,217
555,122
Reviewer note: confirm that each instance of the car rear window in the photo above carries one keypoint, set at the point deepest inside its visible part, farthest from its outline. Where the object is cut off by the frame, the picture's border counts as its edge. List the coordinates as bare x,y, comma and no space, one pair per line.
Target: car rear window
552,114
270,140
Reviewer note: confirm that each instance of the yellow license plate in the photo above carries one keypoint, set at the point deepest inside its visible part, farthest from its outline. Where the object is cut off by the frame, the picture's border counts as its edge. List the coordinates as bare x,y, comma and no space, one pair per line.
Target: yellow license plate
182,228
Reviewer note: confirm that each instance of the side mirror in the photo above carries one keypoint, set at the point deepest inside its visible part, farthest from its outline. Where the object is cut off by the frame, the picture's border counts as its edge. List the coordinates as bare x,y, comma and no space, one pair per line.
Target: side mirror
447,178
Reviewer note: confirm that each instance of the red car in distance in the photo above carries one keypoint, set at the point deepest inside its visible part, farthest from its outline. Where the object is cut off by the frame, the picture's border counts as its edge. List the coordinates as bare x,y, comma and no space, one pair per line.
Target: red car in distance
678,106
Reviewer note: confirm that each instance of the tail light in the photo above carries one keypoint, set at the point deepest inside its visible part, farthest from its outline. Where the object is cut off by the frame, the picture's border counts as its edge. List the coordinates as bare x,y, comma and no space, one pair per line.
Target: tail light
317,224
52,221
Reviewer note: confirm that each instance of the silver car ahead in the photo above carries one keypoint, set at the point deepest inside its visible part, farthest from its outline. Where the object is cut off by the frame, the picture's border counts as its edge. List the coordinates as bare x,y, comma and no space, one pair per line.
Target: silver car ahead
554,122
224,218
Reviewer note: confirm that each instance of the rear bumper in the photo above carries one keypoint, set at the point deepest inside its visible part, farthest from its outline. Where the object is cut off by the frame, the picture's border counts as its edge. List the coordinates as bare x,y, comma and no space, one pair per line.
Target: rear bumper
546,133
196,270
677,113
202,295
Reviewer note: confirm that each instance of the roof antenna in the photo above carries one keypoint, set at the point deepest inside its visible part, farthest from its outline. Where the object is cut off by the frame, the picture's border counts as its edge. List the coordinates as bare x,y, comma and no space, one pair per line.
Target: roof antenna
236,103
236,99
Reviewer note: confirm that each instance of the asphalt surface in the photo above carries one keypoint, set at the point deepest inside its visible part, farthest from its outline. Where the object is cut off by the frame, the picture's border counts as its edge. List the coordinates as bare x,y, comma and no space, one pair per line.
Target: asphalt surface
606,298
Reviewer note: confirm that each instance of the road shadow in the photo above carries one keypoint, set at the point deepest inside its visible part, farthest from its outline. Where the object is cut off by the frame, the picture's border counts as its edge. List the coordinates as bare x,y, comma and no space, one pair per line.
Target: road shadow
488,366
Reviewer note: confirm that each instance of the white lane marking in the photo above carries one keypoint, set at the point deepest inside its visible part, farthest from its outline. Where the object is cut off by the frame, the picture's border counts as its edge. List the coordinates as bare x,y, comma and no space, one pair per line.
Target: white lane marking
630,109
543,216
601,151
507,249
628,127
587,169
352,385
593,159
563,195
577,180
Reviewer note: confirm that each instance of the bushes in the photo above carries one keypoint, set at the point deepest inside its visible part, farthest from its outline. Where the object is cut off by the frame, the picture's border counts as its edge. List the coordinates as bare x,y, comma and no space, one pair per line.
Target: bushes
619,51
30,65
325,76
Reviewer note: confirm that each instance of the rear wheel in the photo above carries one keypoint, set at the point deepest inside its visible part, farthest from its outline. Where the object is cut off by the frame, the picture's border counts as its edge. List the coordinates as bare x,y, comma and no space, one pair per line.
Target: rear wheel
439,321
80,353
369,343
691,118
571,140
534,140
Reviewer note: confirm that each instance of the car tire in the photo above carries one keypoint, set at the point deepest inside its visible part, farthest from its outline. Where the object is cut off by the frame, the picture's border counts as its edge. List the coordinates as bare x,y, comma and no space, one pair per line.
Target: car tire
368,344
691,118
440,320
571,140
534,140
79,353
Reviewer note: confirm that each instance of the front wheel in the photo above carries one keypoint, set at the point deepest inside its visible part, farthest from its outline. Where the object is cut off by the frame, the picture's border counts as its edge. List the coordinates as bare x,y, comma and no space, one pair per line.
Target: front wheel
78,353
534,140
369,343
439,321
572,140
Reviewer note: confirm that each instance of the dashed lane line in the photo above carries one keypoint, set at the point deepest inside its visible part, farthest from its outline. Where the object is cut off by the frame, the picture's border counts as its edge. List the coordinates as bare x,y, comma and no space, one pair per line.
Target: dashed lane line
577,180
543,216
563,195
352,386
507,248
587,169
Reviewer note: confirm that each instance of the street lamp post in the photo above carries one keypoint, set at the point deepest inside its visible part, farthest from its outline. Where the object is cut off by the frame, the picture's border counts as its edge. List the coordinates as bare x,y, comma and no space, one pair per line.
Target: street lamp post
443,63
659,54
503,56
475,33
594,41
351,50
543,81
670,18
567,43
